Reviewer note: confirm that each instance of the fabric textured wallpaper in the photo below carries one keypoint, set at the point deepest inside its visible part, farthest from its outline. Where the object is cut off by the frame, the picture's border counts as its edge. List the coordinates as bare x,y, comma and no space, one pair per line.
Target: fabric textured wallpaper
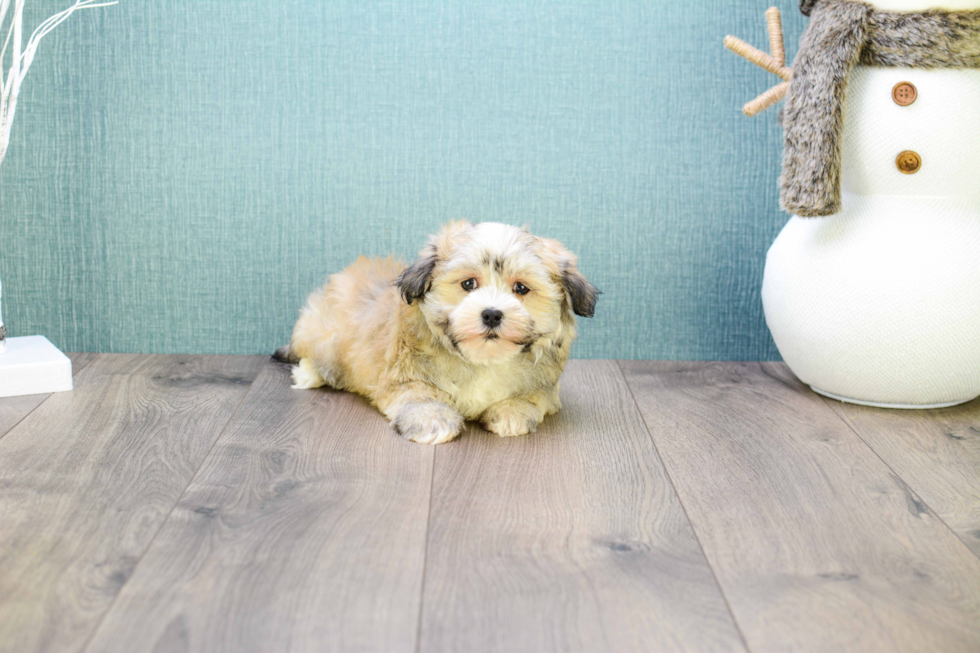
183,174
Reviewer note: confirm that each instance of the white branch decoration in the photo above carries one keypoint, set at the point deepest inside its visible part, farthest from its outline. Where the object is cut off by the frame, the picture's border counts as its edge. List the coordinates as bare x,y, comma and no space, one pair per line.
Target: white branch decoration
21,58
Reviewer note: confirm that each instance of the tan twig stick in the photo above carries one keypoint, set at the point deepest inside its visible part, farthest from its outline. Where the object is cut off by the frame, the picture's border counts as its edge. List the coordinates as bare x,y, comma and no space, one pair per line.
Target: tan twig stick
758,57
774,22
775,62
766,100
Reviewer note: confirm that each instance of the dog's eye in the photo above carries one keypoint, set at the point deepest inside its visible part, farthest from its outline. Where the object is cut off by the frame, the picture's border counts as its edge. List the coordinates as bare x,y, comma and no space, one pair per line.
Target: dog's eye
521,289
469,284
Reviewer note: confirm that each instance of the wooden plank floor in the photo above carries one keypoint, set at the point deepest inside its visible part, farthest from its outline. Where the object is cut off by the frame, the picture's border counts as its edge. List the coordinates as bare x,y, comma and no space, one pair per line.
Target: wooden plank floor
570,540
89,477
197,503
14,409
815,542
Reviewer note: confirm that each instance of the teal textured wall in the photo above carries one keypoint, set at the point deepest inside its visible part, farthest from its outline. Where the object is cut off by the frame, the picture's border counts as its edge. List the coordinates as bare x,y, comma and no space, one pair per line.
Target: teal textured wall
182,174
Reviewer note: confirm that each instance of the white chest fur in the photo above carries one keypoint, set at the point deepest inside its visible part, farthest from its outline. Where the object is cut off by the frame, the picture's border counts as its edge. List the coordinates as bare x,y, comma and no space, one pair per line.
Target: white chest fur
474,388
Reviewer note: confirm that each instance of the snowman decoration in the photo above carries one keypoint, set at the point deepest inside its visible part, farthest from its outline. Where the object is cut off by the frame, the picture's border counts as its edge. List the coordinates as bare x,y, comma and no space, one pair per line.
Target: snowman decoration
872,290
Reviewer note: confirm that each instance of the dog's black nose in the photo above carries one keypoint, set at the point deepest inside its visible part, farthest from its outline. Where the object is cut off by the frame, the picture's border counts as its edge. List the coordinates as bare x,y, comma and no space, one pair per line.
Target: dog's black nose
492,317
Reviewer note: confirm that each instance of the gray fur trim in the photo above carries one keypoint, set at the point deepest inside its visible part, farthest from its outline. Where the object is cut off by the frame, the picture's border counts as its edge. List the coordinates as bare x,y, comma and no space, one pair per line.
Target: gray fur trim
814,111
933,39
841,34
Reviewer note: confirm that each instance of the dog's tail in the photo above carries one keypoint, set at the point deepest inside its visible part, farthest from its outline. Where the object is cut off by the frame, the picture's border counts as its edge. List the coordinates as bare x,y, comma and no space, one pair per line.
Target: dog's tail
285,354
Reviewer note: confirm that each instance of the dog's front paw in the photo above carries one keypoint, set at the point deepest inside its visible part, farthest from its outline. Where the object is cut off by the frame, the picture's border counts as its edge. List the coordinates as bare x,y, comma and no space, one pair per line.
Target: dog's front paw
429,422
509,419
305,376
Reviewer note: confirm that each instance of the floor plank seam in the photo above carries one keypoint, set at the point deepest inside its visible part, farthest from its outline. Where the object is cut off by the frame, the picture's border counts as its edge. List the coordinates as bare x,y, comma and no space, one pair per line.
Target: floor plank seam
26,415
42,402
112,604
425,553
76,371
687,516
827,402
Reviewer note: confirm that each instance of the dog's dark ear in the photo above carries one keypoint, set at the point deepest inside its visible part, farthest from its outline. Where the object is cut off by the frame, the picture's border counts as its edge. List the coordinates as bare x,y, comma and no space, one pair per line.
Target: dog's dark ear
582,295
416,279
581,292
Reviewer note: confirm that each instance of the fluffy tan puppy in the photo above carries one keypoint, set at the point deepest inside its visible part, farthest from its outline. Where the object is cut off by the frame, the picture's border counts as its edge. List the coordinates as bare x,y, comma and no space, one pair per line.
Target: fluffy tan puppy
479,327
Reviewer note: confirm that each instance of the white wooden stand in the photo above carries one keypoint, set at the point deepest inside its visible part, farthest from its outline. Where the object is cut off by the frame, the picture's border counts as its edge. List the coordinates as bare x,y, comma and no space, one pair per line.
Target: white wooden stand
32,365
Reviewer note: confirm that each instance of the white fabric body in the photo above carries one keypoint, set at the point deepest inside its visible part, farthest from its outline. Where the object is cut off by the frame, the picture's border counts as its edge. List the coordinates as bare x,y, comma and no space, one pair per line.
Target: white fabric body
880,303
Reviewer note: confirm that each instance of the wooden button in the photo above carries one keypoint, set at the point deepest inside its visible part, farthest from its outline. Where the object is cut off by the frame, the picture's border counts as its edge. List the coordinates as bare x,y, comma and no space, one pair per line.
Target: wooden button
908,162
904,93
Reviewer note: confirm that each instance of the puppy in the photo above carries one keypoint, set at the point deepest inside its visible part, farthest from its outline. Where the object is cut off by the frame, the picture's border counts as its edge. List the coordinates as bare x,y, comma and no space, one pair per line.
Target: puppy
479,327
